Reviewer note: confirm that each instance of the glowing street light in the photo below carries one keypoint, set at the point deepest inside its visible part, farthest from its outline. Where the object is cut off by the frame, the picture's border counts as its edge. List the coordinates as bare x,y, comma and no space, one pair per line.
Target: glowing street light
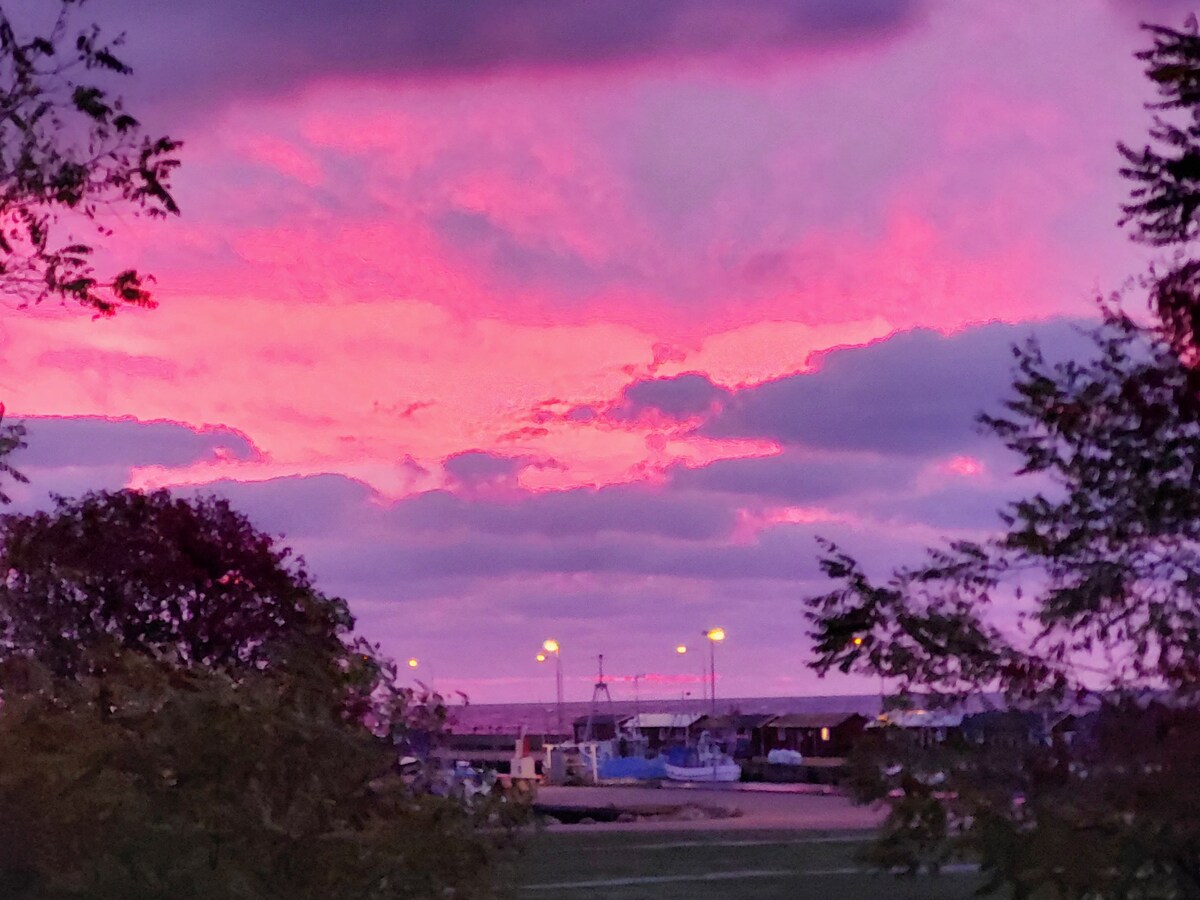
681,649
715,636
425,680
551,647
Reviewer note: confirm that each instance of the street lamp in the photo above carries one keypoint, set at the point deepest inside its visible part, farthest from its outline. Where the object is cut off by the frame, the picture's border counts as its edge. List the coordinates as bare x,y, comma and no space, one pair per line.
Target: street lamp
682,649
414,663
637,699
714,635
550,646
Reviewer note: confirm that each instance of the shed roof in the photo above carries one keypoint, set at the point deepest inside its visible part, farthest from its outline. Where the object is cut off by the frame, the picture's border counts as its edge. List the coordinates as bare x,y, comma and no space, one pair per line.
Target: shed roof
740,721
600,719
920,718
662,720
814,720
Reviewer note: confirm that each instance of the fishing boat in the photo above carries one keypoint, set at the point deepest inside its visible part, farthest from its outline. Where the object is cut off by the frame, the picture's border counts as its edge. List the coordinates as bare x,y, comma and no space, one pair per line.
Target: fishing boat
707,764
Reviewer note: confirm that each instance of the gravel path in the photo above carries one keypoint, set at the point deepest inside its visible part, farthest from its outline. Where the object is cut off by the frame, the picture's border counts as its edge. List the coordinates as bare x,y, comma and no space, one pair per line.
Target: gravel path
758,810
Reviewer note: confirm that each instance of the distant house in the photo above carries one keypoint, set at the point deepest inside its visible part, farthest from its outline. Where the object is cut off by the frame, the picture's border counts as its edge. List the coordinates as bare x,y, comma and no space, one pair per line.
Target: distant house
604,727
931,726
815,734
1005,728
1075,727
743,736
663,729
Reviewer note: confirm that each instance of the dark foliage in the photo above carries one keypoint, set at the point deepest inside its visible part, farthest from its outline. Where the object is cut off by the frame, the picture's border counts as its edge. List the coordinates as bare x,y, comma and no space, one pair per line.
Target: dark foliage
1103,811
184,715
69,154
1102,570
12,438
1165,198
151,782
1086,602
160,575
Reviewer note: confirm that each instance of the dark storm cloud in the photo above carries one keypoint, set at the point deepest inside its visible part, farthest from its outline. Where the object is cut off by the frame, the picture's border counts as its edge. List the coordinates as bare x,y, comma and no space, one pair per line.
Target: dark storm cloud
219,48
916,393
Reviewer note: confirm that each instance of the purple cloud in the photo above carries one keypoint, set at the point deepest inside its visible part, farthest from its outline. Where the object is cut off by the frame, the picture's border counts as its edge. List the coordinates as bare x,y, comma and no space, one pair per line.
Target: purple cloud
799,477
476,469
398,558
916,393
315,507
684,396
70,455
578,513
261,48
89,441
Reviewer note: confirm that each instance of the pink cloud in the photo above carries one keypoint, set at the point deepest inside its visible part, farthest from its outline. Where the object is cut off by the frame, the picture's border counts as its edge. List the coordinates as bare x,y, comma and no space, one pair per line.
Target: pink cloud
285,158
377,274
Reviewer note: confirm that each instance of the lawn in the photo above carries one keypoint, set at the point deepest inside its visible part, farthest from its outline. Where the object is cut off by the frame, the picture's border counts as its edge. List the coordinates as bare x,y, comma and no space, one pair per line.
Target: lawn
733,865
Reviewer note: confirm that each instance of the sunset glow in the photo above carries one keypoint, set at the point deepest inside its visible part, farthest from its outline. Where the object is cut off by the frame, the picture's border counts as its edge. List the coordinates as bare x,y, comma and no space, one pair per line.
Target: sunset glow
537,331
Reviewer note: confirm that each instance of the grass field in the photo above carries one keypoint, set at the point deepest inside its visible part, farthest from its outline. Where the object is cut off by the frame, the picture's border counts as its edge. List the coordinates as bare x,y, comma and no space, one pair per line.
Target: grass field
714,865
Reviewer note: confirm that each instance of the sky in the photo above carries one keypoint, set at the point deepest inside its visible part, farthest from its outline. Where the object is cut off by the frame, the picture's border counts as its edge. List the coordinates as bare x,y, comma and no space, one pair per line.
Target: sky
584,319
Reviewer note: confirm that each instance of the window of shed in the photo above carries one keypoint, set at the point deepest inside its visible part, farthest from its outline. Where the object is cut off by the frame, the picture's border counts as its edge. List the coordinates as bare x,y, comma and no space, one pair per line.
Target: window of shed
824,734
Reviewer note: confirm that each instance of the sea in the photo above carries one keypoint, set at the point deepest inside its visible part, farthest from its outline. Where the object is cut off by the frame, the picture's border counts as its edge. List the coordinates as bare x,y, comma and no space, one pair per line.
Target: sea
541,718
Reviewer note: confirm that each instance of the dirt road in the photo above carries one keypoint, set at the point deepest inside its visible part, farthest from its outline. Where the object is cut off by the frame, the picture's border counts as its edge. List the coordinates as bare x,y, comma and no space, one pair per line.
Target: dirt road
758,810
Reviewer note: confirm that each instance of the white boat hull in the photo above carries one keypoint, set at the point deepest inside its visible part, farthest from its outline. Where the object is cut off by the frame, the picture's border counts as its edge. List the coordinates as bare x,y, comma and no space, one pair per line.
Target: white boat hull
727,771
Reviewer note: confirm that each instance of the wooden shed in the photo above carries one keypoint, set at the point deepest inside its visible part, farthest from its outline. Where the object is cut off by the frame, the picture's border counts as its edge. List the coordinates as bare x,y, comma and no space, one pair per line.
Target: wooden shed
604,727
661,729
815,734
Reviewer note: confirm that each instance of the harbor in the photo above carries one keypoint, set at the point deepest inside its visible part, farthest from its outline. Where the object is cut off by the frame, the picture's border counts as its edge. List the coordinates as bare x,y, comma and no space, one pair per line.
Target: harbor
612,744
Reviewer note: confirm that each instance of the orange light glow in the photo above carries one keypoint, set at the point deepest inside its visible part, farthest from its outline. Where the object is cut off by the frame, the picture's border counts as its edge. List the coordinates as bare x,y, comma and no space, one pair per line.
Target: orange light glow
966,466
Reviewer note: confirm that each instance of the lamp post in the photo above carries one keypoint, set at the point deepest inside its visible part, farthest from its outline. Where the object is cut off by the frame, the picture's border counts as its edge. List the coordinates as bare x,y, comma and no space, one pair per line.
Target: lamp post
550,646
682,650
414,664
637,699
714,636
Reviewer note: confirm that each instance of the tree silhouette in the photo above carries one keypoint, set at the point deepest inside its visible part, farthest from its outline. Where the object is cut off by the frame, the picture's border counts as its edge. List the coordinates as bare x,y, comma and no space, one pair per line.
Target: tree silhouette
69,154
159,575
1086,602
